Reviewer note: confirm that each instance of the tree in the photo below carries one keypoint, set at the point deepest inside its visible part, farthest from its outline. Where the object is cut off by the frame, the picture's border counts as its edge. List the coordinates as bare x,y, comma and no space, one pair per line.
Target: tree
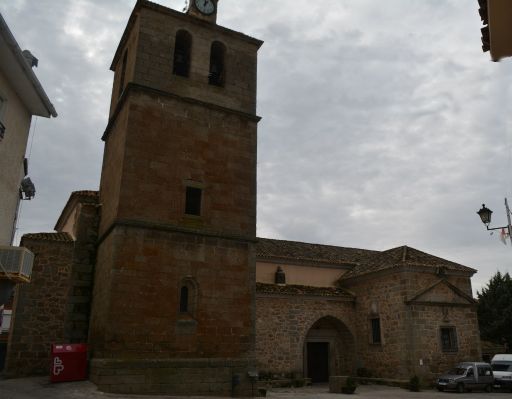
495,309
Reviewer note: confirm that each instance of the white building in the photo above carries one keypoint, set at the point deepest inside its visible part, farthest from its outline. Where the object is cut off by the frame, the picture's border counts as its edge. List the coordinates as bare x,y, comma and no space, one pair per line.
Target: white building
21,97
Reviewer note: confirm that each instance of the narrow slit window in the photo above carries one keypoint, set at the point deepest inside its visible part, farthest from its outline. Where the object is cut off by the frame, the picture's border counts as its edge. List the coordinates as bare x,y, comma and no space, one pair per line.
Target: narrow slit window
123,73
376,337
217,73
182,51
193,201
184,299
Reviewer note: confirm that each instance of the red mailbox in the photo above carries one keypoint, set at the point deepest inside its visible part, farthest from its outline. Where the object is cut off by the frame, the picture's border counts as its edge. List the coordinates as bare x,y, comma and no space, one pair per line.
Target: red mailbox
69,362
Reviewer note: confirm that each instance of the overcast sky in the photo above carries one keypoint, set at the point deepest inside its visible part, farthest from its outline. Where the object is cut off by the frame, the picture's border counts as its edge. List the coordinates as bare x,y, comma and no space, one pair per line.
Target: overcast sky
383,125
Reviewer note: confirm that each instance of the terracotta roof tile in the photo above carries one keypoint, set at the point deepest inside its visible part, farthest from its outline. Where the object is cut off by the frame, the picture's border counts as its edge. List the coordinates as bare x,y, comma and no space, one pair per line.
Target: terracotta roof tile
304,290
267,248
60,237
86,193
404,257
359,261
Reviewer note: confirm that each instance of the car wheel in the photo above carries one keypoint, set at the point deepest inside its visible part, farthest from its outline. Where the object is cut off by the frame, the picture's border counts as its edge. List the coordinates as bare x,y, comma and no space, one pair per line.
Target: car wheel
488,388
460,387
440,389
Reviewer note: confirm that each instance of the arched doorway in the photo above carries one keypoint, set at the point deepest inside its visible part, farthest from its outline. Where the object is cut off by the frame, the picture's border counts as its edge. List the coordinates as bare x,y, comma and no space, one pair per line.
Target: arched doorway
329,349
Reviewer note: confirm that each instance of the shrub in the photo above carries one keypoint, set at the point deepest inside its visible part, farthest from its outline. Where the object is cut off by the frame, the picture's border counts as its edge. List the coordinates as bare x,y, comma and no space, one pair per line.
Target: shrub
350,386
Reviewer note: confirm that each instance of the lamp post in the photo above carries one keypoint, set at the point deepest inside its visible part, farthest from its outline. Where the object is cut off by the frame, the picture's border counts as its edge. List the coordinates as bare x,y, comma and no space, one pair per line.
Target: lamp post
485,215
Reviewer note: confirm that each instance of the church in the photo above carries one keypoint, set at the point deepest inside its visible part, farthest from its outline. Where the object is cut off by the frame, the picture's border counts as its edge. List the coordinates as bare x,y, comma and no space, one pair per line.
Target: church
177,294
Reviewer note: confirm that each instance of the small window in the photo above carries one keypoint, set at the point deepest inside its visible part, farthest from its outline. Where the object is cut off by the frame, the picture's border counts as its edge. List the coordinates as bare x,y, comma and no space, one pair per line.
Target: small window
193,201
184,299
2,130
216,75
123,73
2,126
376,338
187,296
182,51
5,320
448,339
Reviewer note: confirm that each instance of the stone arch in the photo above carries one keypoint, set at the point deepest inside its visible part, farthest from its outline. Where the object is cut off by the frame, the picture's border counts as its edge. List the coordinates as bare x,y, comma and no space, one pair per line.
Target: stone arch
216,76
329,348
182,53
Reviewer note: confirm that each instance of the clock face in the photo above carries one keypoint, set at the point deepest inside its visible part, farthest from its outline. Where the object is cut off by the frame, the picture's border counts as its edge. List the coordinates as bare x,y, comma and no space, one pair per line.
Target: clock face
207,7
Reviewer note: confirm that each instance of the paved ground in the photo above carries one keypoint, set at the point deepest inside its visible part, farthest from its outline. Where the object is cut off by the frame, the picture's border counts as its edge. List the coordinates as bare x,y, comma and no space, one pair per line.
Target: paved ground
40,388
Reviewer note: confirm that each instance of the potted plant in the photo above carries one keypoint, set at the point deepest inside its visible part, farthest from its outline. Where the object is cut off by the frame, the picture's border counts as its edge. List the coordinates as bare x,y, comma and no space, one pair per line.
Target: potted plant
350,386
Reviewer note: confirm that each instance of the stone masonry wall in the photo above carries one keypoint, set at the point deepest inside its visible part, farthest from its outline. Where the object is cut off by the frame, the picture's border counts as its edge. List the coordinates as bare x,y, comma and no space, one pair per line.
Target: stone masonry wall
411,341
40,309
136,311
283,322
54,307
81,279
426,324
381,297
155,53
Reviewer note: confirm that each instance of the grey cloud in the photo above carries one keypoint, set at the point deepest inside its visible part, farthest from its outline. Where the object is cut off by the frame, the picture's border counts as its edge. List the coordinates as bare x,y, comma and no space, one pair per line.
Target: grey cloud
383,122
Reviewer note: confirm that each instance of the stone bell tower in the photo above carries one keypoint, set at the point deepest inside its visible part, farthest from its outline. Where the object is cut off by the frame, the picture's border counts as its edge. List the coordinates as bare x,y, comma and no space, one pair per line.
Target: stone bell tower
174,289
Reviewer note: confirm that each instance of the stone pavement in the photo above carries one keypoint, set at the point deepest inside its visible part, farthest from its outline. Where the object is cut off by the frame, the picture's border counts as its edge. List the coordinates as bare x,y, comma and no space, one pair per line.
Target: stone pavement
40,388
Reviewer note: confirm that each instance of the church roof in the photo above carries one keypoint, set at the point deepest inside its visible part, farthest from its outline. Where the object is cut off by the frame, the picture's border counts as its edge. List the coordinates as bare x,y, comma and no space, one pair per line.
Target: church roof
56,237
405,257
84,197
275,289
291,251
358,261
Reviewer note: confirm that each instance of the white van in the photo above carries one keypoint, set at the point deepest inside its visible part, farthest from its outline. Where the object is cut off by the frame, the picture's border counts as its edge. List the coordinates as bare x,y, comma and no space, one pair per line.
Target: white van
502,370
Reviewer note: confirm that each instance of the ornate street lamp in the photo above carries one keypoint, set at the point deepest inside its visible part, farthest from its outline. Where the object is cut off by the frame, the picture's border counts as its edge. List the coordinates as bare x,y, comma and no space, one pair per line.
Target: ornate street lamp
485,215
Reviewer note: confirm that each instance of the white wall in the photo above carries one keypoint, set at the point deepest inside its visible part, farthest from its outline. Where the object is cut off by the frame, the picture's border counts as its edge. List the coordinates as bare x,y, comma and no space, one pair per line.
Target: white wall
16,118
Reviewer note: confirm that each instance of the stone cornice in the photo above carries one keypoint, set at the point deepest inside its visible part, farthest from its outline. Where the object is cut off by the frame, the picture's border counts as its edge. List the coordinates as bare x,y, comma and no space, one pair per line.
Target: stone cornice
443,304
131,87
172,228
459,292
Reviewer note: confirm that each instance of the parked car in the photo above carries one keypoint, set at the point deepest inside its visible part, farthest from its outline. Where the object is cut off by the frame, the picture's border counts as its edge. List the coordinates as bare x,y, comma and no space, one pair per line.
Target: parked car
466,377
502,370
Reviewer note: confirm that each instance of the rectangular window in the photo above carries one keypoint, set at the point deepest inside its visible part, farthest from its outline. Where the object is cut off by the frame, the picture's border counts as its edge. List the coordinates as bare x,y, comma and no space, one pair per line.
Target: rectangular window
448,339
376,339
193,201
5,320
